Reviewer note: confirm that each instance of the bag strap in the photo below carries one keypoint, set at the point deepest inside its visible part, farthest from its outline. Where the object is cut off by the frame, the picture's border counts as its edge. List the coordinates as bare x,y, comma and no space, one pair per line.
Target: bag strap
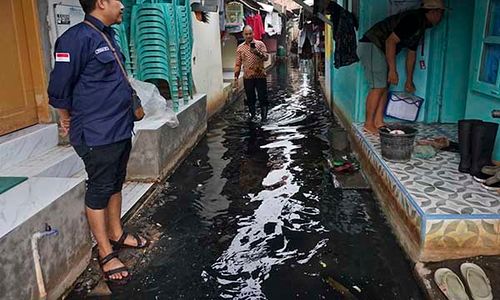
110,45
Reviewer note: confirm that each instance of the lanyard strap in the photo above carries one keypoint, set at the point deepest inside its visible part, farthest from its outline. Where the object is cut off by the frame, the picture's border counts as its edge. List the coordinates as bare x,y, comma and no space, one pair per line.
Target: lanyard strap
118,60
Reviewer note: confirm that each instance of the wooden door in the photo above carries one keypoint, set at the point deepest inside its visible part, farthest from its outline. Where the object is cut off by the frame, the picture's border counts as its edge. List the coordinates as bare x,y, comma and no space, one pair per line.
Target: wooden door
18,107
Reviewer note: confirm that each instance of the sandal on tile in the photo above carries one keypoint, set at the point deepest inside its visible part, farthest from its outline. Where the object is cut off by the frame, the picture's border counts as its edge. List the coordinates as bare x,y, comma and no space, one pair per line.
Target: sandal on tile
490,170
492,183
120,243
478,282
450,284
107,274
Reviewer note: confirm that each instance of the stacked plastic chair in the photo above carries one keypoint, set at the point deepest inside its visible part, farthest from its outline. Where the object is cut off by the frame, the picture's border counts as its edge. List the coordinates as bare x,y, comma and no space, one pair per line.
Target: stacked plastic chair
127,12
185,38
152,45
122,41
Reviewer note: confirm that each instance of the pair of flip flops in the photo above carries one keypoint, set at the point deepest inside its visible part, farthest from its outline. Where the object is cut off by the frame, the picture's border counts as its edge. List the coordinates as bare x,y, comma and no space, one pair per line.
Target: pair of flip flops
453,288
118,245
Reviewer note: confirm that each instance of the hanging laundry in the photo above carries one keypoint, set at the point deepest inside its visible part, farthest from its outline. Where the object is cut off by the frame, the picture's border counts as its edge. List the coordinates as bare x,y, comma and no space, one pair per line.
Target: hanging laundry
222,15
257,25
234,17
272,24
345,25
306,39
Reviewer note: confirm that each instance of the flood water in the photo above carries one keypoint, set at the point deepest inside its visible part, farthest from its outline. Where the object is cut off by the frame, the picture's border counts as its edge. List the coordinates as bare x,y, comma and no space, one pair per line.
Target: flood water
253,213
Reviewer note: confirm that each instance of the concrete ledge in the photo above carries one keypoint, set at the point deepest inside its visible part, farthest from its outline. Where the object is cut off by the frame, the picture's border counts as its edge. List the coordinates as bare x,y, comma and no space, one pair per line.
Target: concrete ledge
158,148
63,257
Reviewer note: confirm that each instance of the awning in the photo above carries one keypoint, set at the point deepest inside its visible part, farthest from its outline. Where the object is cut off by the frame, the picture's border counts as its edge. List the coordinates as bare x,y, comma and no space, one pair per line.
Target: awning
267,8
310,10
251,4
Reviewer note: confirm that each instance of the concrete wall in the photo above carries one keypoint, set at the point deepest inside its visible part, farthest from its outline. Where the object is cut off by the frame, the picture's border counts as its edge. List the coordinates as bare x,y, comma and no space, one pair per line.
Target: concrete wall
229,45
207,62
158,148
63,257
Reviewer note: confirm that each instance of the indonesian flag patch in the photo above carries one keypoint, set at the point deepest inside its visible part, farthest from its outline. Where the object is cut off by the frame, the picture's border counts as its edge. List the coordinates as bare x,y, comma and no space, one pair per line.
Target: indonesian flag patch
62,57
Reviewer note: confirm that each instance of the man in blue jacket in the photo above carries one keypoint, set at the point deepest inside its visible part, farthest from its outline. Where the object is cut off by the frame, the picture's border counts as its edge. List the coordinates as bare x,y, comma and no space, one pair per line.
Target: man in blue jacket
93,100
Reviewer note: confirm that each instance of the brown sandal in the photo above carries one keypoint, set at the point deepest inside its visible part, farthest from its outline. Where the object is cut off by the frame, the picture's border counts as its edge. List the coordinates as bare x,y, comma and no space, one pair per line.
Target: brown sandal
117,245
107,274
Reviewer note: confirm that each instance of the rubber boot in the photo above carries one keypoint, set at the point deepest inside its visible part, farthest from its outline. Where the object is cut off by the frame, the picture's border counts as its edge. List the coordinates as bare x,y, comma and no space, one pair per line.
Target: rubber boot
482,144
464,143
252,111
263,113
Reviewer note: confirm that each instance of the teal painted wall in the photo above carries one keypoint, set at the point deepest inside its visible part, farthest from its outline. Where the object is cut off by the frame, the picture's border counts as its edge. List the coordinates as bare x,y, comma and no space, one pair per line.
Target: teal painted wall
457,60
479,105
443,83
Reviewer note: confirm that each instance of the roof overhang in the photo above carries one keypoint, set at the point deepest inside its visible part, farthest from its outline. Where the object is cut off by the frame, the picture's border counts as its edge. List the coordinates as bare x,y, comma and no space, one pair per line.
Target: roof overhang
310,10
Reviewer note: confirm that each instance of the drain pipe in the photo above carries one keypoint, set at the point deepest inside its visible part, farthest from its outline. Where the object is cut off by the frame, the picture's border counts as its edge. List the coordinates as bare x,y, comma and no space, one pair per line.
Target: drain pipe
36,257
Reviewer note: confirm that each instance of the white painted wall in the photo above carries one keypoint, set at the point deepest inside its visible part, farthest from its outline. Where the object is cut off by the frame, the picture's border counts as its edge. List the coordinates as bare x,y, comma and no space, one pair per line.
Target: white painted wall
229,45
207,58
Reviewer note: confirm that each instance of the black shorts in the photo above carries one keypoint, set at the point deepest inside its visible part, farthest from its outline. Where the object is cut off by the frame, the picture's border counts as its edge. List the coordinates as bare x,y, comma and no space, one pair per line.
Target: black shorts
106,168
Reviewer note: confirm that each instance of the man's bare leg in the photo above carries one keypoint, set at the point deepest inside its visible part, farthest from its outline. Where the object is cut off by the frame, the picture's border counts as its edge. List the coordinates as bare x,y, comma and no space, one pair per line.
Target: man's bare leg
372,102
379,114
115,228
97,223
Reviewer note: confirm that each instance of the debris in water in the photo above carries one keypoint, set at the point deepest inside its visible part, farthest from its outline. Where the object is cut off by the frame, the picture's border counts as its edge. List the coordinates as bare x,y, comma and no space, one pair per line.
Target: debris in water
340,288
322,264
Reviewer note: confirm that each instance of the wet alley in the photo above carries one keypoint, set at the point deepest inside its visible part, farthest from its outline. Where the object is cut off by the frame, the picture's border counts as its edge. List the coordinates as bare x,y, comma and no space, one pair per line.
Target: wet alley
254,213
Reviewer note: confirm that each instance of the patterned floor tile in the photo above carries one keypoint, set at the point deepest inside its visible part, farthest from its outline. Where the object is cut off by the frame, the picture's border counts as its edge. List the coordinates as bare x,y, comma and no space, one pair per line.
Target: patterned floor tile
435,185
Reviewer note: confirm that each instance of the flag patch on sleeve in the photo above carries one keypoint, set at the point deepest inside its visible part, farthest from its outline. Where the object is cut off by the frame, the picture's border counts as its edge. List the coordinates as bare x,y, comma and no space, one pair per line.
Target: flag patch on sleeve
62,57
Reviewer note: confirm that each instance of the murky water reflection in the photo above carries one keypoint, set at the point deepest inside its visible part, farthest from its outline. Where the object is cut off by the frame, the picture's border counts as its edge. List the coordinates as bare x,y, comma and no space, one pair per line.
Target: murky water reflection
253,214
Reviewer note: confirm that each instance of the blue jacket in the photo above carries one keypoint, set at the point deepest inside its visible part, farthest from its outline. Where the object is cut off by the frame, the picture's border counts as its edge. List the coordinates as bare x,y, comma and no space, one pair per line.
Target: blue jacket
87,81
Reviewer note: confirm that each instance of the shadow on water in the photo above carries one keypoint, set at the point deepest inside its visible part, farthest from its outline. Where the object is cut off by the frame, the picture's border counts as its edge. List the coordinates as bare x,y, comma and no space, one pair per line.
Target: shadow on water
253,214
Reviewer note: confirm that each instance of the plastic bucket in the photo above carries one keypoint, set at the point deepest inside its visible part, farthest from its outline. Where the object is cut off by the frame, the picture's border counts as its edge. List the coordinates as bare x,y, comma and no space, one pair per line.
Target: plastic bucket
397,147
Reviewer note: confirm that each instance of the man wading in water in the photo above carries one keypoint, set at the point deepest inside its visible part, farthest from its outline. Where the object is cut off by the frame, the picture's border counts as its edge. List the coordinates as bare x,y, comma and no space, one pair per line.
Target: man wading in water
252,54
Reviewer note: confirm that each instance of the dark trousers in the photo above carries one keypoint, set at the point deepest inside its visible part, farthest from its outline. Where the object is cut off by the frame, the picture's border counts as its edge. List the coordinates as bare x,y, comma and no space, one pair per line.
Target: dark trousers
254,87
106,168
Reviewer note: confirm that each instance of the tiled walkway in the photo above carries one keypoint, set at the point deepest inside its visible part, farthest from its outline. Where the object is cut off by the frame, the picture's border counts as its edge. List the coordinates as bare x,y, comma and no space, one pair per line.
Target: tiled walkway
449,209
435,184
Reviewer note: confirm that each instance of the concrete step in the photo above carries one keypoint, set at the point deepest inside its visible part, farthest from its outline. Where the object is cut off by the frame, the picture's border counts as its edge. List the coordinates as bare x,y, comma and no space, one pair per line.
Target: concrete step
60,161
132,192
27,143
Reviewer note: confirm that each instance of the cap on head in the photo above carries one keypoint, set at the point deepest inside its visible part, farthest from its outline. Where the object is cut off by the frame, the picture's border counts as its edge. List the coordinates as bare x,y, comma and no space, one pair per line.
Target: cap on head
433,4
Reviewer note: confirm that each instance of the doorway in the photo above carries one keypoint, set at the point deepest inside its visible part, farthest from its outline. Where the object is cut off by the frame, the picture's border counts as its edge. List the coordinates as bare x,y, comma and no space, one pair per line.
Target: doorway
22,80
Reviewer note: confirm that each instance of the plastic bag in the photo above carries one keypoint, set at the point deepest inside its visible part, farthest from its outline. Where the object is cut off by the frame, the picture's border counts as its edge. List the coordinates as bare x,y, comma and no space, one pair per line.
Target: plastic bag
155,106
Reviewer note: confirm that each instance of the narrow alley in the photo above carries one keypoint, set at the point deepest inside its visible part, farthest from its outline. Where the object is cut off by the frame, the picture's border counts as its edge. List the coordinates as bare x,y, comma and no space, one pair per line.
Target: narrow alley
252,213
